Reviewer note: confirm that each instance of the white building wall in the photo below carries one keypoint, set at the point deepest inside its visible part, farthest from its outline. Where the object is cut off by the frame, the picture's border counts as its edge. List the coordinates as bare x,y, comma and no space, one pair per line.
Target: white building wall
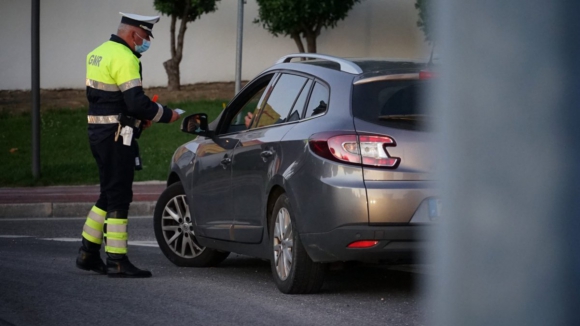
72,28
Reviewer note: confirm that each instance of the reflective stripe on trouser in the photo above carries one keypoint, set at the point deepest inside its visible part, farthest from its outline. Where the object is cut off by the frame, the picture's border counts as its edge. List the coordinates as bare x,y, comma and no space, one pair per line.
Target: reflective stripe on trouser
93,228
116,235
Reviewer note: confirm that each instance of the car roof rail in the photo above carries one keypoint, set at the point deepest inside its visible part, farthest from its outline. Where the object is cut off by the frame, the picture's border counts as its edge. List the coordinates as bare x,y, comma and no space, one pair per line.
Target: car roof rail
345,65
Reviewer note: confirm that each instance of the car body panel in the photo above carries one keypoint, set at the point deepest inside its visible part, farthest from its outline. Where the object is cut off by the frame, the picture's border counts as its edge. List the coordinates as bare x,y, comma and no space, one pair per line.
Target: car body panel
256,160
334,203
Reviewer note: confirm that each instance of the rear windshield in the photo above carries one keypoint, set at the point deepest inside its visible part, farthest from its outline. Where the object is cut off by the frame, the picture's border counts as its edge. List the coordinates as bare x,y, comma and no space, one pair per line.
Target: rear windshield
393,103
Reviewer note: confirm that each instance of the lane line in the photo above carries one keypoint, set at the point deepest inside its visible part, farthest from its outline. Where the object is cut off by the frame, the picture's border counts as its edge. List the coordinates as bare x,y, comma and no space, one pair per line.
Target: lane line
143,243
60,218
7,236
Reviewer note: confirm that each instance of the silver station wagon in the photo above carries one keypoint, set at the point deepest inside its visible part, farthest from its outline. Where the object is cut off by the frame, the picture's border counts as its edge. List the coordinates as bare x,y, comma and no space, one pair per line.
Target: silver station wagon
312,162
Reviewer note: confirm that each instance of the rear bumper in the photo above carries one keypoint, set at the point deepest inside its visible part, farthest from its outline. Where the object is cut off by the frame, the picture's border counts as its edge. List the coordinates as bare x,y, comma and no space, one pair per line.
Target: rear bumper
402,243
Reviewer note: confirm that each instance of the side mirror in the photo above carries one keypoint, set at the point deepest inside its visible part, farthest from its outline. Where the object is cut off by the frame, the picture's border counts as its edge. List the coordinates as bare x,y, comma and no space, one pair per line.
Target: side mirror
196,124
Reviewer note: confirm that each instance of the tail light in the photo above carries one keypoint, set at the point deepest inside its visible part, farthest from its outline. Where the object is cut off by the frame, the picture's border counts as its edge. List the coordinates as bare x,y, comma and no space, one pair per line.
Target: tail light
369,150
426,74
362,244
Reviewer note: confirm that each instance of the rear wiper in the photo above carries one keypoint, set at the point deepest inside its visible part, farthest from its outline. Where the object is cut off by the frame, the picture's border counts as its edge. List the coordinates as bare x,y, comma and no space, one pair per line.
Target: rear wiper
403,117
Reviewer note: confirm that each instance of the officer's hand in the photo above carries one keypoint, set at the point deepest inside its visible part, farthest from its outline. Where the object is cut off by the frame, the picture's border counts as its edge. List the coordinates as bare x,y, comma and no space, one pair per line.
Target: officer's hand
174,117
146,124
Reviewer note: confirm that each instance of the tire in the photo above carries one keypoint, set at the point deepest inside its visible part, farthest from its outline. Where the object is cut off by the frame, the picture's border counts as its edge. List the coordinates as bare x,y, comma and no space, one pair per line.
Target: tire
300,275
173,227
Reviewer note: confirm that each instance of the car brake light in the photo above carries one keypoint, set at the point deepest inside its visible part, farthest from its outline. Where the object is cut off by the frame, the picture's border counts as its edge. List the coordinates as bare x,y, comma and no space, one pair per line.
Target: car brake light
426,74
362,244
369,150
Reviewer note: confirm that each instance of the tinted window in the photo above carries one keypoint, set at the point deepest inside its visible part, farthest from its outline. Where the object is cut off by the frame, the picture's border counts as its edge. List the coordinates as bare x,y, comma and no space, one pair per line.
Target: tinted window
300,102
248,101
390,102
280,101
318,103
250,106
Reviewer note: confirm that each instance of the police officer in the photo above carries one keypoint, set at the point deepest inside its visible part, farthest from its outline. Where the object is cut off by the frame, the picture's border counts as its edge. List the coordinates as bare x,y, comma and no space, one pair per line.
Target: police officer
118,111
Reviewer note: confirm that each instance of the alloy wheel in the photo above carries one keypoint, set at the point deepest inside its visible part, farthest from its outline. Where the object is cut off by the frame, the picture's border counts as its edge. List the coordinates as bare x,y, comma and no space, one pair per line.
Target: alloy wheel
177,228
283,243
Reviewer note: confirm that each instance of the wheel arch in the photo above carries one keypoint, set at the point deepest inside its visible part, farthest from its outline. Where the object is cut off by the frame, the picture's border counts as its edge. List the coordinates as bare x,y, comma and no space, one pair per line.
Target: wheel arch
273,196
173,178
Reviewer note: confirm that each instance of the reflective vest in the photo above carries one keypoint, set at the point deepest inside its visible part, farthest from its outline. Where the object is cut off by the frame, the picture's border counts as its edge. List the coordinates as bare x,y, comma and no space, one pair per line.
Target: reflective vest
114,86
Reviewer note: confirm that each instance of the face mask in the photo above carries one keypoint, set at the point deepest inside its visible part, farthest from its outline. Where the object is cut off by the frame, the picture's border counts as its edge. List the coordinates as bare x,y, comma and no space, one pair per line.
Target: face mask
143,47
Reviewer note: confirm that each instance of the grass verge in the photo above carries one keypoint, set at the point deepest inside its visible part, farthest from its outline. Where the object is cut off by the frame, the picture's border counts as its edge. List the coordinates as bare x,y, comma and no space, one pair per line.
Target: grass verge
65,155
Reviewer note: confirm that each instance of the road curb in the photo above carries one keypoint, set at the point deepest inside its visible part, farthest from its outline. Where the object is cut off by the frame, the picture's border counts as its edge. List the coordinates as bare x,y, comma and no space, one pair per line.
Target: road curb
142,208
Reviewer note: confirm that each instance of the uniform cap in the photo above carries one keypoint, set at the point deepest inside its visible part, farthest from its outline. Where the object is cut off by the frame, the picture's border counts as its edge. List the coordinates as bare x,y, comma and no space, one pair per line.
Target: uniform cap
144,22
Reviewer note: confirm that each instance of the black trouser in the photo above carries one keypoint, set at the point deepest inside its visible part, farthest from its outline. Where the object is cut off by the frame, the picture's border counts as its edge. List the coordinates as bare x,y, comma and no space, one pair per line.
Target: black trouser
116,164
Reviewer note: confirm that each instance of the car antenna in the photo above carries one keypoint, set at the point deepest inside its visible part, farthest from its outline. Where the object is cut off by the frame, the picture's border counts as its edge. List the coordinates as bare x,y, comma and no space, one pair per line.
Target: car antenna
430,63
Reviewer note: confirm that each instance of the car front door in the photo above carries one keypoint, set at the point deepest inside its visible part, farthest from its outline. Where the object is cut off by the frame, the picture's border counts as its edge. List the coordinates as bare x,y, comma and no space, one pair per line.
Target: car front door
257,155
211,204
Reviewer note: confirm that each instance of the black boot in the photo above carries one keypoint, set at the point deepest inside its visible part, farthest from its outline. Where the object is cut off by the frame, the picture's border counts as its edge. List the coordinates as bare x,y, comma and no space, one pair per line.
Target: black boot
122,267
91,261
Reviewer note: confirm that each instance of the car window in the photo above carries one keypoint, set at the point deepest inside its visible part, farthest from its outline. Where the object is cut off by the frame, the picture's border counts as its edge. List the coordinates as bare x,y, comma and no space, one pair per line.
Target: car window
318,103
394,103
249,101
250,106
280,102
300,102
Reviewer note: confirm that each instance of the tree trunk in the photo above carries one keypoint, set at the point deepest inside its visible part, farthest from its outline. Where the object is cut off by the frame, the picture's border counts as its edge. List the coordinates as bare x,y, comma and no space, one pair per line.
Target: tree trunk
173,76
298,40
310,42
172,65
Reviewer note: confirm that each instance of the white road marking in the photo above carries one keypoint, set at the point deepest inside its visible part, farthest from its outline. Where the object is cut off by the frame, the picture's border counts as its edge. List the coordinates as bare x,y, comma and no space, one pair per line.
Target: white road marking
61,239
25,219
131,243
142,243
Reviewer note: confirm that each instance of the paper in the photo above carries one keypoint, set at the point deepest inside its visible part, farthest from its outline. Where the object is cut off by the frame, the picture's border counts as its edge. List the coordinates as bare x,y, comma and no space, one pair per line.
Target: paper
127,134
179,111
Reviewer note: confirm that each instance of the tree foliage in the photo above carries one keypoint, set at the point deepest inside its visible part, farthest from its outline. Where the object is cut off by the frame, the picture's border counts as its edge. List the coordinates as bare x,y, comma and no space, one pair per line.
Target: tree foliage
186,11
302,18
424,22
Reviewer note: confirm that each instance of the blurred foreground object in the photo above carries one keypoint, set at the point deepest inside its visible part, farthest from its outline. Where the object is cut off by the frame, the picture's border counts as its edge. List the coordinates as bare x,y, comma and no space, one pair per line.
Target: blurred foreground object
508,251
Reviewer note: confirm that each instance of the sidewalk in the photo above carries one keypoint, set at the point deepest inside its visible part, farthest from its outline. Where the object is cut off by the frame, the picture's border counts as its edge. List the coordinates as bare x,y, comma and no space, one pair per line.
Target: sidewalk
71,201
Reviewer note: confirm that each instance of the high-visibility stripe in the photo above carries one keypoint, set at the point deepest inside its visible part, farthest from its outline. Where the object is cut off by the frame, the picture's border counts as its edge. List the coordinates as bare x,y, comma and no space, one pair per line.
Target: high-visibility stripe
102,86
106,119
93,227
91,238
116,221
92,232
117,228
115,250
116,235
102,119
130,84
96,215
159,113
98,211
94,224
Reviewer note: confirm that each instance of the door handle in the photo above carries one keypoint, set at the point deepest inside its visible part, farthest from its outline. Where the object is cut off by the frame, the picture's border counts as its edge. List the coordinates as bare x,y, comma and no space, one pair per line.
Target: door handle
226,161
266,154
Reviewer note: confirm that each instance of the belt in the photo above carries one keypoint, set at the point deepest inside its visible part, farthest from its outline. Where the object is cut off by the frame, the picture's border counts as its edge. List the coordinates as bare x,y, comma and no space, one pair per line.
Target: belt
108,119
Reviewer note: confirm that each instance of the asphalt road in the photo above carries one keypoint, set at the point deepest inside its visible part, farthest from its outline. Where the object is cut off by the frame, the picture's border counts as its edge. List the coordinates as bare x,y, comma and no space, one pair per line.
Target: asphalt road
40,285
